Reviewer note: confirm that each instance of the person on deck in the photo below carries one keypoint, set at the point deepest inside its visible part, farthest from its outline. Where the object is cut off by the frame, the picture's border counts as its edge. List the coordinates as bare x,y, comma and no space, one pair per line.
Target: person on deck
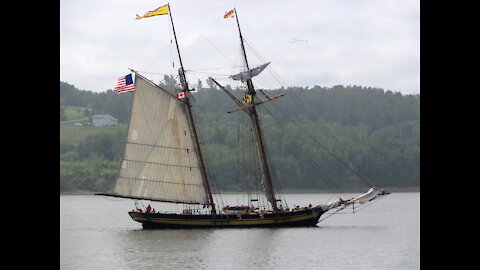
149,208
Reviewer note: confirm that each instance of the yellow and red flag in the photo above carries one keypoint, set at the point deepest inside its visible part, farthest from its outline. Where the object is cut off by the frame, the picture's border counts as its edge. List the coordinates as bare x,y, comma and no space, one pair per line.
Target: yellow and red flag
229,14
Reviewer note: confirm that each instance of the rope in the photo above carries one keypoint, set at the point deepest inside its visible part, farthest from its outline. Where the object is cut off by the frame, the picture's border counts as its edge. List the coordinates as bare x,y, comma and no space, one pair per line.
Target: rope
314,165
333,136
316,142
213,184
310,115
203,36
362,206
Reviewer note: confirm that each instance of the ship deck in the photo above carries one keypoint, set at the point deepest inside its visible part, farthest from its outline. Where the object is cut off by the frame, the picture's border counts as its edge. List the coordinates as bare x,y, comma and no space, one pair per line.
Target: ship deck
303,217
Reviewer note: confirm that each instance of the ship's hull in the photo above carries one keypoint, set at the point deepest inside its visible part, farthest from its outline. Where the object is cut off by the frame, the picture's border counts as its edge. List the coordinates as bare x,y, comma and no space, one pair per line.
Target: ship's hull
300,218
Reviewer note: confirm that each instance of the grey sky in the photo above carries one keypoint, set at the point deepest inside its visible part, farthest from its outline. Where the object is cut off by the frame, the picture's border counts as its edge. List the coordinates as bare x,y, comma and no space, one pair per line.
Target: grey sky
372,43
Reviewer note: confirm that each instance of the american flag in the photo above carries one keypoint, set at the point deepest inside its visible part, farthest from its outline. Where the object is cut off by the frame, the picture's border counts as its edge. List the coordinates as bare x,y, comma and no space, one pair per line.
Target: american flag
125,84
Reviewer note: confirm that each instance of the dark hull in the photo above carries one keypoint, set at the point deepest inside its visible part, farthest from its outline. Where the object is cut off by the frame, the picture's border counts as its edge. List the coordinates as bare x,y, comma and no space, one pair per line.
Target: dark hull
301,218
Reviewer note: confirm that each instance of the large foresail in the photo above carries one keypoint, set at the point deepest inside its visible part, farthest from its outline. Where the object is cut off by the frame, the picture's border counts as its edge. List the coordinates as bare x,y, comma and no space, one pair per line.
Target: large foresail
160,161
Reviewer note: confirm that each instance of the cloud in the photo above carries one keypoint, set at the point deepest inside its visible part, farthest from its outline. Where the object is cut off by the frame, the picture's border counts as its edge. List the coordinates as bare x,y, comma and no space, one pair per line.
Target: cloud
369,43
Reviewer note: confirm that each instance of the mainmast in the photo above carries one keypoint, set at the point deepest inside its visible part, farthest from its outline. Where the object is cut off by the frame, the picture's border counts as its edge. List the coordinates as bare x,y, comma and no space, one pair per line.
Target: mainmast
249,100
192,123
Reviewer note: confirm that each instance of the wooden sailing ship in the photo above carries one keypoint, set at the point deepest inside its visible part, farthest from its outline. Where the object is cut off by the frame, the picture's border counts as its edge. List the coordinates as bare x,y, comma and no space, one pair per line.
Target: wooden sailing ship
163,161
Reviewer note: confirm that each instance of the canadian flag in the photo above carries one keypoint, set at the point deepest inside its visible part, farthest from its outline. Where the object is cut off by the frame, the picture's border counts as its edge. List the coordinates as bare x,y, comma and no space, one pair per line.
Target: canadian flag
181,95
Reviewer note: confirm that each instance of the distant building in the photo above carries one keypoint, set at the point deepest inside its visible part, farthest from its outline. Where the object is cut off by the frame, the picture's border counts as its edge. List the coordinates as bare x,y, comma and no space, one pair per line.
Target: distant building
103,120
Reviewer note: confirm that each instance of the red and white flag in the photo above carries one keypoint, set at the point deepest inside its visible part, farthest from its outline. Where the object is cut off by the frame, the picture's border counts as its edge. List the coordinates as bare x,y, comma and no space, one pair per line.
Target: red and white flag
125,84
182,95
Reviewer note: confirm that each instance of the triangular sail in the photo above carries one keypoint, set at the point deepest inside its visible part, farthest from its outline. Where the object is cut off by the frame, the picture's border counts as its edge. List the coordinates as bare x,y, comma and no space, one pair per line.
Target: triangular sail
160,162
246,75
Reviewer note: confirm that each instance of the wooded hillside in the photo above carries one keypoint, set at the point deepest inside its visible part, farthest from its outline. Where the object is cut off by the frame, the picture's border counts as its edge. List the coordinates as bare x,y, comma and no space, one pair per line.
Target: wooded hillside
318,138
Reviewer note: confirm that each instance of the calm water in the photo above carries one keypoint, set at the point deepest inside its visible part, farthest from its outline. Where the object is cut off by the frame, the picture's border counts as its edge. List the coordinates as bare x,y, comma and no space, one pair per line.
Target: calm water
97,233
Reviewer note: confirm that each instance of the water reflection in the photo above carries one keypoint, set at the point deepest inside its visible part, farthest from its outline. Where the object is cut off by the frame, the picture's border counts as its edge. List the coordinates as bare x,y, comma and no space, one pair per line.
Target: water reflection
240,248
200,248
161,248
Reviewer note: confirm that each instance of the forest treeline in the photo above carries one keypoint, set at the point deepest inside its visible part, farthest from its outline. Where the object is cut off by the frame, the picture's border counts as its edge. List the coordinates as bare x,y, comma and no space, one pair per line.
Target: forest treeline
339,137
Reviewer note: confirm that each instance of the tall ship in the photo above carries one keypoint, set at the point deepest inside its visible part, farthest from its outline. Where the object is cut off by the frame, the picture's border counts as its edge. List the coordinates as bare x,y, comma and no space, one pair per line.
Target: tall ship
164,159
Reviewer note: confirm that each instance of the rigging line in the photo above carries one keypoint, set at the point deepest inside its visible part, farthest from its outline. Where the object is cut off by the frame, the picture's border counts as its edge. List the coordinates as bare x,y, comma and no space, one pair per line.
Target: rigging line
209,73
202,35
194,69
273,167
324,148
218,197
271,56
254,51
369,203
300,150
275,177
152,73
213,175
335,137
330,214
253,160
332,154
361,207
274,73
171,48
261,42
277,77
314,165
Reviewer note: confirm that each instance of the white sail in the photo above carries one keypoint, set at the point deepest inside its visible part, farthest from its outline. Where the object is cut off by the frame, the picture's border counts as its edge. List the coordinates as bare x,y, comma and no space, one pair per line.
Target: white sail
245,75
371,194
160,162
330,205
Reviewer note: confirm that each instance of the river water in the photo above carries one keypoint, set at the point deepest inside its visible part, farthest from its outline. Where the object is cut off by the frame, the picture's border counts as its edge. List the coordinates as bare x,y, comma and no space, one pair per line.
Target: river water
97,233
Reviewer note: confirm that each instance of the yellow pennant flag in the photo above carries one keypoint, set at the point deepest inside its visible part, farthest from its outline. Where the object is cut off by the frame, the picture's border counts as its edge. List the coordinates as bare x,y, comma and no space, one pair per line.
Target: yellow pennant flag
159,11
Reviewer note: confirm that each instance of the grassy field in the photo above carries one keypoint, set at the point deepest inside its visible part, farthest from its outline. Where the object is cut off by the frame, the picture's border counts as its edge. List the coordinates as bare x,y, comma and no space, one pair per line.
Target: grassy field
72,134
75,112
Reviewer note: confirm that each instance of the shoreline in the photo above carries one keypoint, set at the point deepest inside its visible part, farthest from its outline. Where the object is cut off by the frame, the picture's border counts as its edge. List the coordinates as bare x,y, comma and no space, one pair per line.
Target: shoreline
286,191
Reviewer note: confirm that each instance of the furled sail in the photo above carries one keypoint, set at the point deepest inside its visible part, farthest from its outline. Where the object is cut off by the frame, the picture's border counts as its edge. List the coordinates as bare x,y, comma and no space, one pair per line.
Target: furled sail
245,75
160,162
371,194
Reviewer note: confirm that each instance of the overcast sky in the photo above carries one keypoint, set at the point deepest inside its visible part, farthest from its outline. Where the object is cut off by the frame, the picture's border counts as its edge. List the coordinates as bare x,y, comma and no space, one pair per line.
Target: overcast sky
371,43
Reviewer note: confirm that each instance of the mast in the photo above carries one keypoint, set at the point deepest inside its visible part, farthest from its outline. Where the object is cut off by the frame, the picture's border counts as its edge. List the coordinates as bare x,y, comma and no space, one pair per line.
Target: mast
250,94
198,149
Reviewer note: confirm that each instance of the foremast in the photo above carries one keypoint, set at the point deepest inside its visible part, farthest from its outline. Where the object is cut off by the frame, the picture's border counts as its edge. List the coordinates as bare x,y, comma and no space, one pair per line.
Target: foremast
249,101
198,149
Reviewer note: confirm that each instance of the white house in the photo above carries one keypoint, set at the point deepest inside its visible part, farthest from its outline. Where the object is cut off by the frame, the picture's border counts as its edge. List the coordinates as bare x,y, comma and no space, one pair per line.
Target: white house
102,120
